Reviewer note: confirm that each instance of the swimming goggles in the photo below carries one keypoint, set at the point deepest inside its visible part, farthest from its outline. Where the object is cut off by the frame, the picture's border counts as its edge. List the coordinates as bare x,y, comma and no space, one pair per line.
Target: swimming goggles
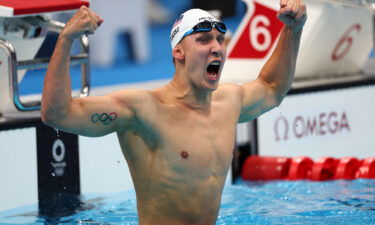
207,26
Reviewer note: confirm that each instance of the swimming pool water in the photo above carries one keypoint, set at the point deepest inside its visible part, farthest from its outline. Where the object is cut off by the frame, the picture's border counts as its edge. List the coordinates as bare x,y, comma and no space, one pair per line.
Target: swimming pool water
276,202
301,202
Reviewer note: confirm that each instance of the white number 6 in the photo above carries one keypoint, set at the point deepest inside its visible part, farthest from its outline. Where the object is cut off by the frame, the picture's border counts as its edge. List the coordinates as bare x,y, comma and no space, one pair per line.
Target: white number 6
256,29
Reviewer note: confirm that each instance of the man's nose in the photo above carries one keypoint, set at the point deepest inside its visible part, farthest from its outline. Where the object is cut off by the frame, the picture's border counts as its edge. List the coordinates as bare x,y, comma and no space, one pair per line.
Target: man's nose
217,48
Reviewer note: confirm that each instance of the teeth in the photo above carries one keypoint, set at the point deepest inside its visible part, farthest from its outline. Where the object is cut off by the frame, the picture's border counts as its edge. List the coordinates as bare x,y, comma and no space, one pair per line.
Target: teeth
213,76
213,70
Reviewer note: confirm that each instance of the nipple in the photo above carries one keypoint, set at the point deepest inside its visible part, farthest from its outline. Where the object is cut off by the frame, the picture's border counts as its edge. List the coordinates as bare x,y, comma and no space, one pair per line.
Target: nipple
184,155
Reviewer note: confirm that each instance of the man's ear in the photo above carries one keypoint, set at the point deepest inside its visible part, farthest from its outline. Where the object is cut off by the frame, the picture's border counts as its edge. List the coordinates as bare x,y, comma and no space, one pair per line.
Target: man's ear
178,52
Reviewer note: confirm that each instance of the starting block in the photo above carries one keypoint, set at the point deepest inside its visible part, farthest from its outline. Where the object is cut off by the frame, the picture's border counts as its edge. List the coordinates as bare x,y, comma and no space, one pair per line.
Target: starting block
337,40
23,28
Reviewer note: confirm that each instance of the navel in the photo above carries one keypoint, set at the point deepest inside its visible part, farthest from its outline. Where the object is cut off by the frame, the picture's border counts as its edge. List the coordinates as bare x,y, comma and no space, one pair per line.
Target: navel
184,154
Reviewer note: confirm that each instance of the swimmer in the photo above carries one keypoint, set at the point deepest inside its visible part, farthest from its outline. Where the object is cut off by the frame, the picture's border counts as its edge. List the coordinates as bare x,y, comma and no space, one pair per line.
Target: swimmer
178,139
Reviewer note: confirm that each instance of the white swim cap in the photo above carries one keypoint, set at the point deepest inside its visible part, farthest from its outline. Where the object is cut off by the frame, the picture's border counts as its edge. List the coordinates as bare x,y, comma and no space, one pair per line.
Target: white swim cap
186,22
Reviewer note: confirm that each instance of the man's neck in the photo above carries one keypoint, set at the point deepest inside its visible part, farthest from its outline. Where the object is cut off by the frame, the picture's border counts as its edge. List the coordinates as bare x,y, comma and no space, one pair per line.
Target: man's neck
190,96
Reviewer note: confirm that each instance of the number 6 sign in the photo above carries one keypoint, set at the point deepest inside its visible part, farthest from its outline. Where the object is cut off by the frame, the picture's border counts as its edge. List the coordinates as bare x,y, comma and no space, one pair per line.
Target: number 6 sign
335,40
345,43
259,33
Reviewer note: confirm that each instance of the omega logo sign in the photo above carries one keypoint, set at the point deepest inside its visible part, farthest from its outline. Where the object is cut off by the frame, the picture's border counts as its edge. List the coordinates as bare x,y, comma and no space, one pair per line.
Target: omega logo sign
318,125
58,153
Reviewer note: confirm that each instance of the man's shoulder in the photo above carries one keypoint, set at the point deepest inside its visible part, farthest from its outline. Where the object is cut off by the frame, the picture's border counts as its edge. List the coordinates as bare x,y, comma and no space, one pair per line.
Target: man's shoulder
228,90
229,87
133,97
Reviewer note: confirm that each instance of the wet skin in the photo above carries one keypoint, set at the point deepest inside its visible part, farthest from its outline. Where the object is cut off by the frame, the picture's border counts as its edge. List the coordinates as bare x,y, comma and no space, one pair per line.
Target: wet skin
180,161
178,140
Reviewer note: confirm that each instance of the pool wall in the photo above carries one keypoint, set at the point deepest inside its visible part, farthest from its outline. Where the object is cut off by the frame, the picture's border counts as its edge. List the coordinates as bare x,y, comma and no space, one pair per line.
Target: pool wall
101,166
334,120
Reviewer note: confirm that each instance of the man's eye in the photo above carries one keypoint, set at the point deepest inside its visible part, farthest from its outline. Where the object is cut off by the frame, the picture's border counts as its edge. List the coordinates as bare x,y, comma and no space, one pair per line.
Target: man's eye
204,40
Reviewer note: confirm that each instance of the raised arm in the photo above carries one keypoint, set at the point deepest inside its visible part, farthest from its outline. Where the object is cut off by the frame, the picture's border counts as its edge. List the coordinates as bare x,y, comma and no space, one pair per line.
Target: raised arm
90,116
276,76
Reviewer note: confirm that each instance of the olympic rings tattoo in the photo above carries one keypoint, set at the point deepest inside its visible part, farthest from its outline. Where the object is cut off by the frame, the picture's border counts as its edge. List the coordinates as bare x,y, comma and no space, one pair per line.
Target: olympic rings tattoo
104,118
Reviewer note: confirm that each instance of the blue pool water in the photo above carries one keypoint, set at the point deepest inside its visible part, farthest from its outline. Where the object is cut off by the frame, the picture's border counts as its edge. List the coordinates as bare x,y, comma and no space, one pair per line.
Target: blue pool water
279,202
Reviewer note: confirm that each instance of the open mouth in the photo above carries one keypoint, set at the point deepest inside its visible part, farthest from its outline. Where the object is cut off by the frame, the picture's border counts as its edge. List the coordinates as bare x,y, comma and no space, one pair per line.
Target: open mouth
213,70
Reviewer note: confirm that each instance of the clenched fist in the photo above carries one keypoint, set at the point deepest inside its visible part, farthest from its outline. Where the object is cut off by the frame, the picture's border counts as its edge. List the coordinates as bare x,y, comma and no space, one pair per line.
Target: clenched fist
84,21
292,13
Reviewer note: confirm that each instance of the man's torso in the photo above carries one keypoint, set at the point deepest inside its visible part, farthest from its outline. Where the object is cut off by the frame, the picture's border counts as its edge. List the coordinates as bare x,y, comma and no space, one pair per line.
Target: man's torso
179,158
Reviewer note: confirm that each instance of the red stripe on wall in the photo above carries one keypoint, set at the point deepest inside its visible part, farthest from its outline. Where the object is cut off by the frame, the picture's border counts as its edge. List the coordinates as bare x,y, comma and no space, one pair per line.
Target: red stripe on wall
24,7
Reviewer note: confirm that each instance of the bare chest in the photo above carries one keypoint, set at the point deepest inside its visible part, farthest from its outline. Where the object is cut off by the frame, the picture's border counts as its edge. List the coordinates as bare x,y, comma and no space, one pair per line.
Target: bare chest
194,142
